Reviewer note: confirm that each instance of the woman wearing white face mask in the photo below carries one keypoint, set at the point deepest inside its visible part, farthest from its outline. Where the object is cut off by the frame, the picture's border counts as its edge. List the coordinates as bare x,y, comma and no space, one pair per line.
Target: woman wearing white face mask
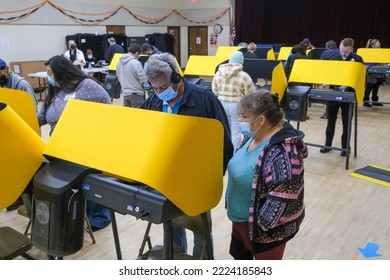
264,196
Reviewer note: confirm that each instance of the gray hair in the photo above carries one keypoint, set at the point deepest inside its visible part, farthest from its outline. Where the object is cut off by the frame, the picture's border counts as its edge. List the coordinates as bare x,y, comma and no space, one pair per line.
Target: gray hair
112,39
160,64
262,102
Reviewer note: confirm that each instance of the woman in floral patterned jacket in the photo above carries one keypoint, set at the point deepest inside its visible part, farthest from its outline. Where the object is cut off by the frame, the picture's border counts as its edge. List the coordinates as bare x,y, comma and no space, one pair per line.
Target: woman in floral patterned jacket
265,190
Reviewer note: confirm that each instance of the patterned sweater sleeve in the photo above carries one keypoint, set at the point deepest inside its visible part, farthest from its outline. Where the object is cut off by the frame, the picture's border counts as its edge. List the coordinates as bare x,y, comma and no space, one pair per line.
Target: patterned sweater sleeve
283,181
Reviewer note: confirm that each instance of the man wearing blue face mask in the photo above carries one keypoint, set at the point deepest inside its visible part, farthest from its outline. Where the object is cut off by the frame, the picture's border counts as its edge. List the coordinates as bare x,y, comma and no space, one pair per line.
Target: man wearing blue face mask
174,94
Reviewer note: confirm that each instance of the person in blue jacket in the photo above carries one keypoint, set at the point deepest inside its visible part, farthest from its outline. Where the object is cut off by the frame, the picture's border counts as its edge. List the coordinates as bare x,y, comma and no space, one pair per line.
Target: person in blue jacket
172,93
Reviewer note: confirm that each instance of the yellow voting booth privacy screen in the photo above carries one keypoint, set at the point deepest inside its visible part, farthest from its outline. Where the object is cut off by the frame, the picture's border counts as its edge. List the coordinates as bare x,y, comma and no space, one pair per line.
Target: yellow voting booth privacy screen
179,156
23,104
21,154
331,72
374,55
115,59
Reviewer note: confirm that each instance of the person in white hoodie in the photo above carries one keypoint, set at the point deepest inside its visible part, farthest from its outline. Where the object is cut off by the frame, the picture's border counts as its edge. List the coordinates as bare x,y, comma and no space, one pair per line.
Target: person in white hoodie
131,76
230,84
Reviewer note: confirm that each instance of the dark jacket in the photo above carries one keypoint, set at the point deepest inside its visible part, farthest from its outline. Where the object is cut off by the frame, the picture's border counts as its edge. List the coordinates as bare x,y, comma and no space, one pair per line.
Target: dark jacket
199,102
330,54
113,49
250,54
334,54
290,62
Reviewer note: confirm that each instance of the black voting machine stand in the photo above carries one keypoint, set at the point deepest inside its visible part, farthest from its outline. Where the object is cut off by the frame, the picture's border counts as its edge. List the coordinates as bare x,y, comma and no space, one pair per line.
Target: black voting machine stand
295,104
300,91
61,189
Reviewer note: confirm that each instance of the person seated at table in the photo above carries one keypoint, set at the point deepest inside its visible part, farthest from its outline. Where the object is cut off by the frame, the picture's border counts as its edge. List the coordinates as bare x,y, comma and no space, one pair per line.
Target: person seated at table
90,59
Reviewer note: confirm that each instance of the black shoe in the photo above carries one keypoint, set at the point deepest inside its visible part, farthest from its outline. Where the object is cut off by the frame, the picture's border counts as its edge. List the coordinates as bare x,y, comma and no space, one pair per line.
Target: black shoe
325,150
15,205
324,116
375,103
366,104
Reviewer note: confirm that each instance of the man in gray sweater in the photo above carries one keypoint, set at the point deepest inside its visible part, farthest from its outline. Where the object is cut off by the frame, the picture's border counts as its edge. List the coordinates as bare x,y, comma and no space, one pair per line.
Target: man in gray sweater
11,80
131,76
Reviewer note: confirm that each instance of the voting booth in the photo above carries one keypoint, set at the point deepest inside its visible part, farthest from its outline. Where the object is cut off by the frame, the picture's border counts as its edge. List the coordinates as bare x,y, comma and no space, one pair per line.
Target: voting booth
270,71
154,181
21,151
381,58
325,72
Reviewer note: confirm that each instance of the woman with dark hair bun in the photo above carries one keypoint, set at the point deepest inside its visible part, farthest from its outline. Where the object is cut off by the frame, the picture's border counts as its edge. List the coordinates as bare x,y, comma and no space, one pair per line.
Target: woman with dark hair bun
264,196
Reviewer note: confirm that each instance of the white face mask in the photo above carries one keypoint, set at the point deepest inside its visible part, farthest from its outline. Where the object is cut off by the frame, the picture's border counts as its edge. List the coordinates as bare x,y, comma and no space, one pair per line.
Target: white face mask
90,56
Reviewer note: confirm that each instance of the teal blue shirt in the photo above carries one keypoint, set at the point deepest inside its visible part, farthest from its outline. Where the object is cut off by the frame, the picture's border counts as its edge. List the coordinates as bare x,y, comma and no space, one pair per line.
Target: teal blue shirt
241,169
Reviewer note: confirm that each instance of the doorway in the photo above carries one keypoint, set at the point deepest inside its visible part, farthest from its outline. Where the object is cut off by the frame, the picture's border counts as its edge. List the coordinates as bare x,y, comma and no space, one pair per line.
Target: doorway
115,29
175,32
197,40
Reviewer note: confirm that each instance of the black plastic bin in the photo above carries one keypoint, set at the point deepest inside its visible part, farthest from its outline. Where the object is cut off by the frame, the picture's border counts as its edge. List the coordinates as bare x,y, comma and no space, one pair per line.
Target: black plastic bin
295,102
112,85
58,208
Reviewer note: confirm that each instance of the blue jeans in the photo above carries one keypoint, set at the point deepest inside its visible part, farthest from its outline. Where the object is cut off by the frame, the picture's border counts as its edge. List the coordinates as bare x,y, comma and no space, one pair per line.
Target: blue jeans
231,109
179,237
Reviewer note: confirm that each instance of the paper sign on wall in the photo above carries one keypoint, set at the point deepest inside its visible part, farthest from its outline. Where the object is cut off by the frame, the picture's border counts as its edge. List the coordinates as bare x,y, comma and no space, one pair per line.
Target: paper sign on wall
198,40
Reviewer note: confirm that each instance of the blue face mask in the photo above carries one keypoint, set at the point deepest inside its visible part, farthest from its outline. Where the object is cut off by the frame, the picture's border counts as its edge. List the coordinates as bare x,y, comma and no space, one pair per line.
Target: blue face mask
52,81
167,94
245,128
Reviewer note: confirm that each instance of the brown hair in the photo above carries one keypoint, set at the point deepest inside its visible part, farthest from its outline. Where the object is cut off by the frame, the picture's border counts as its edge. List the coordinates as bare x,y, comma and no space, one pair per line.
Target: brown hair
88,52
347,42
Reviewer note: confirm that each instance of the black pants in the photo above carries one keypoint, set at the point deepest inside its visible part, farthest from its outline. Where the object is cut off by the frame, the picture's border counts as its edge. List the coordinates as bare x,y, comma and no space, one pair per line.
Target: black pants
333,109
238,250
374,88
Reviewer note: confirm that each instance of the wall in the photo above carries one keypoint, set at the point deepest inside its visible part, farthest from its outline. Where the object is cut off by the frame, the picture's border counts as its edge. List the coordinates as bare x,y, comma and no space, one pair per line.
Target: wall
41,34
